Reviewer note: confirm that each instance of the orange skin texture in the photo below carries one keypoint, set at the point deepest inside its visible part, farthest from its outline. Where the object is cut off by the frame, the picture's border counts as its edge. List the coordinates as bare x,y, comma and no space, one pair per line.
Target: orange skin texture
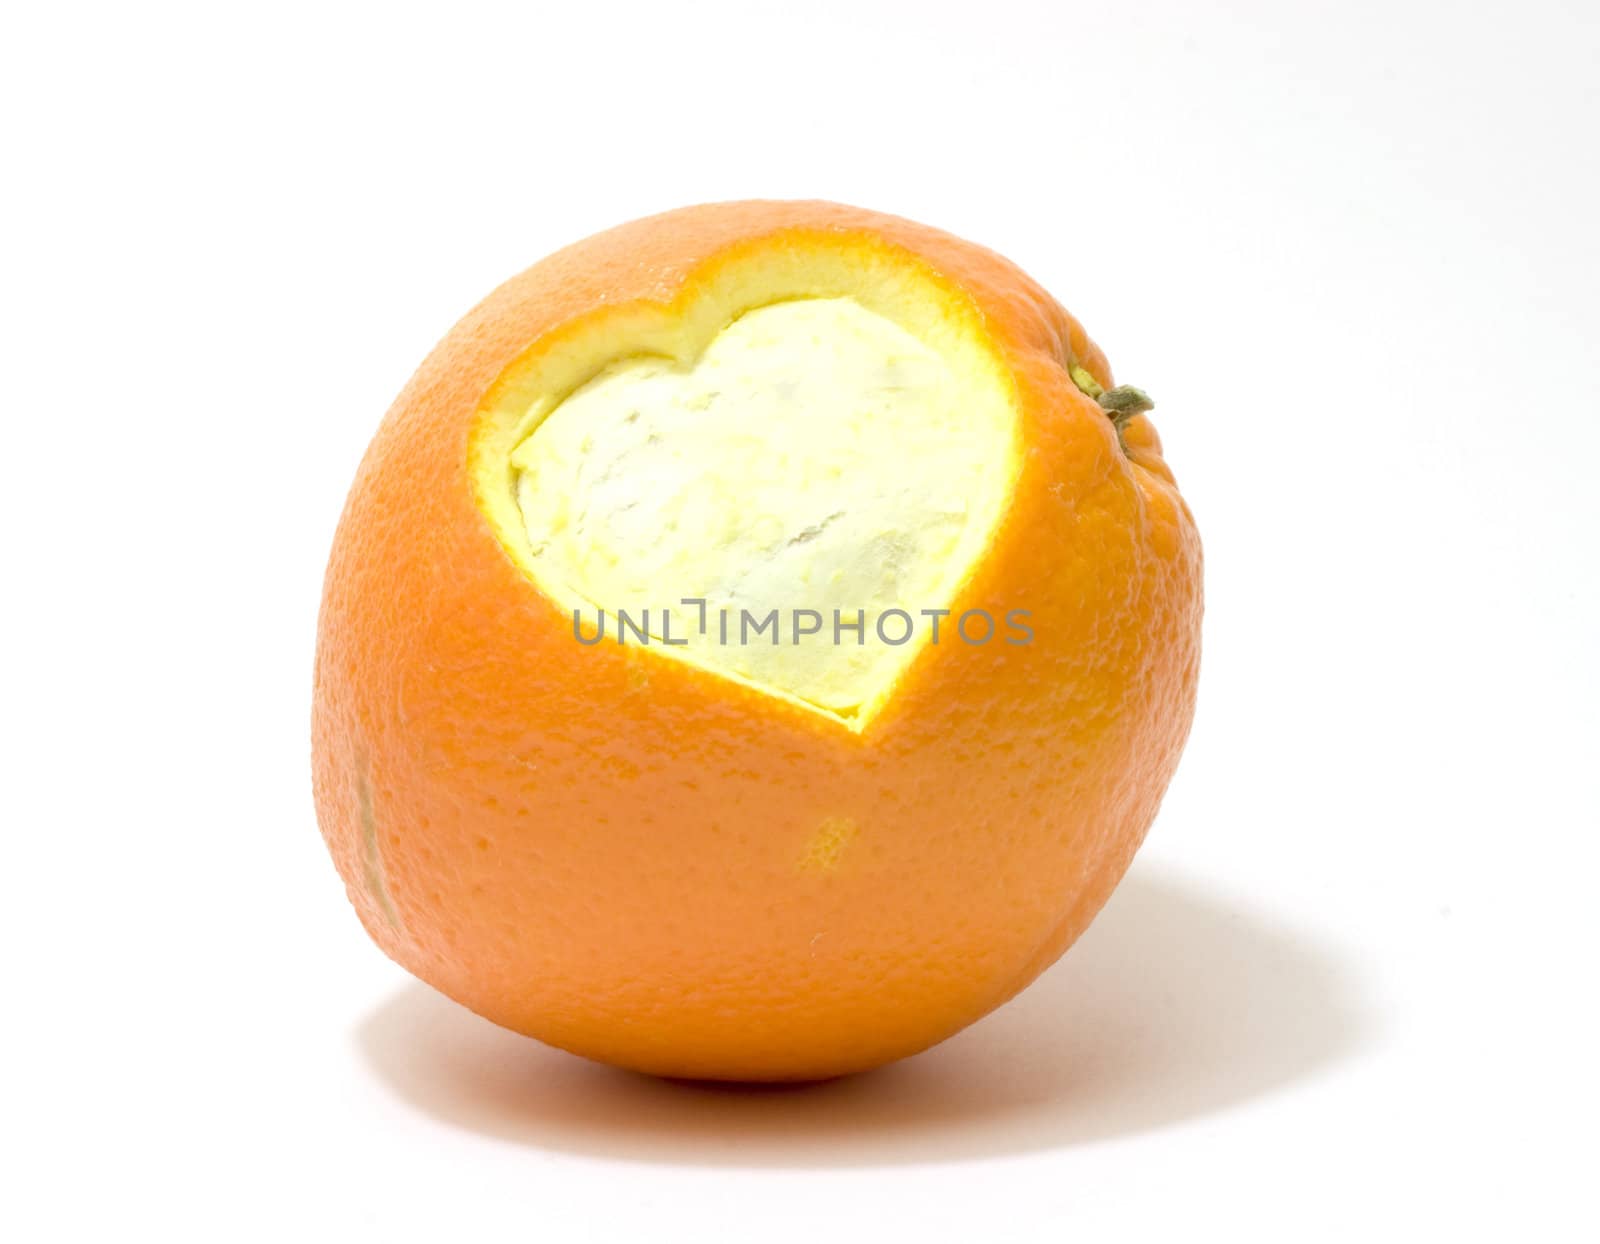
616,852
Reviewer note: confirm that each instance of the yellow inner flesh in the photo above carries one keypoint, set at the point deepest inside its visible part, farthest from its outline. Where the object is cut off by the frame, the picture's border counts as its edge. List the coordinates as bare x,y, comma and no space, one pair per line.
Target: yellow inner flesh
811,453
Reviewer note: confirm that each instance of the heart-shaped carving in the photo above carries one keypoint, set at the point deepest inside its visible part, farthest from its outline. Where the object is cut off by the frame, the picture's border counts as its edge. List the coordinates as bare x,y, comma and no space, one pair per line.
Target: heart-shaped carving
743,501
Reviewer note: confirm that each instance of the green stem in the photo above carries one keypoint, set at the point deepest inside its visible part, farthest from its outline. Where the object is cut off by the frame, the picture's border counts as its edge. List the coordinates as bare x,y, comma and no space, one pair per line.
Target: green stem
1121,403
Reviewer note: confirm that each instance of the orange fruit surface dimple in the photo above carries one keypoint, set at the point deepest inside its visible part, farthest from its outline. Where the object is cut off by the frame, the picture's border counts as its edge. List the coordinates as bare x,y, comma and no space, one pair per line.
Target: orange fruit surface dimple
783,859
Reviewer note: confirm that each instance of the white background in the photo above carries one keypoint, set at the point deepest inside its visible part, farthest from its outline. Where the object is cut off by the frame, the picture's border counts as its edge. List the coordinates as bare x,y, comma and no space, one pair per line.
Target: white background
1348,990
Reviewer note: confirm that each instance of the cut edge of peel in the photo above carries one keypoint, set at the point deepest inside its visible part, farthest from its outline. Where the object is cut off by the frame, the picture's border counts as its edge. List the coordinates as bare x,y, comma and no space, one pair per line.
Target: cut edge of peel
795,266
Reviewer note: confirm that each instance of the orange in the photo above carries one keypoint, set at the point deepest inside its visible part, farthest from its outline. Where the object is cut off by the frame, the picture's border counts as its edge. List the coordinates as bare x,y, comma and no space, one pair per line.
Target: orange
737,862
